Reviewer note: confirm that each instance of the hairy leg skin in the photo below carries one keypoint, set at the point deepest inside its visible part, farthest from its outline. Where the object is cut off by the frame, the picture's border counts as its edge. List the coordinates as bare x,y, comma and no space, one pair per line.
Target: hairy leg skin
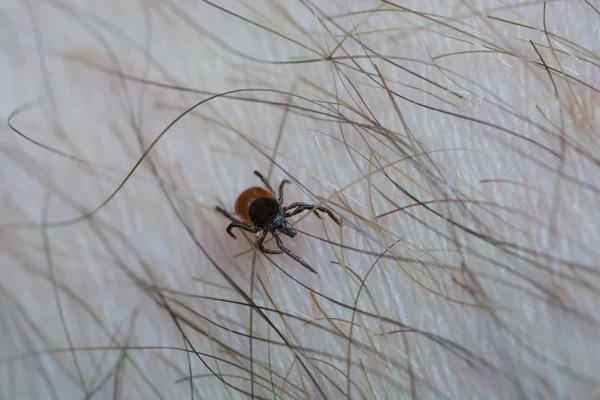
458,140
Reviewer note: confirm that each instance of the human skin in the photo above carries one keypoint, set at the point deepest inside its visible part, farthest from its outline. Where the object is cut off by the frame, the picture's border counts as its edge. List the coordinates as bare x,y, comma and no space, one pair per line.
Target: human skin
457,140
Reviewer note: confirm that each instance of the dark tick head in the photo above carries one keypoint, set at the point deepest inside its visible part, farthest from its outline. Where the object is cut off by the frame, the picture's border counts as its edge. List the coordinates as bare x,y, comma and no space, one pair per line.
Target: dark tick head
266,213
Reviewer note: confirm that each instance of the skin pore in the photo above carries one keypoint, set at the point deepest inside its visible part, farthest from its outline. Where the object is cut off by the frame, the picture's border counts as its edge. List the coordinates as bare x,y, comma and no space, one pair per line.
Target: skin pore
458,141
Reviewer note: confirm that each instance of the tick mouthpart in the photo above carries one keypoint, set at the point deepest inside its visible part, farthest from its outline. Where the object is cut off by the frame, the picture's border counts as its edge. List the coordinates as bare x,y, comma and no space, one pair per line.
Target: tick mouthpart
288,229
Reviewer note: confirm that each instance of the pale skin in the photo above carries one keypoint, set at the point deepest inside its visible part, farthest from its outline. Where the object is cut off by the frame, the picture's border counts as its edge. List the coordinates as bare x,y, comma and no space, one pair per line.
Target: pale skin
457,142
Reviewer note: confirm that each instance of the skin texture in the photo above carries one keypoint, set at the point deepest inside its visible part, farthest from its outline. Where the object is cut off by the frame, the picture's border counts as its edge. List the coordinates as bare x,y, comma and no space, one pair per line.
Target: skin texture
458,140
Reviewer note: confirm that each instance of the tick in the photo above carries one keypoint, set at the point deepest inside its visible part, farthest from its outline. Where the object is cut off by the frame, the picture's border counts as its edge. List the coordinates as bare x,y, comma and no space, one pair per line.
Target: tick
260,211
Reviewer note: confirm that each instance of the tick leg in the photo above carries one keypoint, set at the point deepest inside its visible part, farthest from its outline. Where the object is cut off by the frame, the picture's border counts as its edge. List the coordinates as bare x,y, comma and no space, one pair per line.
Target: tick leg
281,185
241,226
264,180
301,207
261,247
225,213
289,253
287,213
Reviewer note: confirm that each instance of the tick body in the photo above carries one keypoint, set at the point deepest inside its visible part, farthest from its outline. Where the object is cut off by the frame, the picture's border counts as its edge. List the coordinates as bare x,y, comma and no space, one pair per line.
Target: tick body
259,207
260,211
